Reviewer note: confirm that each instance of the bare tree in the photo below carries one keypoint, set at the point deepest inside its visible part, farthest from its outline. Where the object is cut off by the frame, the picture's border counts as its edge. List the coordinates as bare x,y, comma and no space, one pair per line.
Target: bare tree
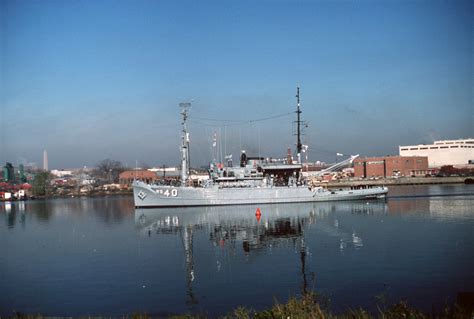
144,165
109,170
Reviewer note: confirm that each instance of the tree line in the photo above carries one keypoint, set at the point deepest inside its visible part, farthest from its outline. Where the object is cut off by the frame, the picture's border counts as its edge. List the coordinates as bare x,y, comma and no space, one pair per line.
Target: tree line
106,171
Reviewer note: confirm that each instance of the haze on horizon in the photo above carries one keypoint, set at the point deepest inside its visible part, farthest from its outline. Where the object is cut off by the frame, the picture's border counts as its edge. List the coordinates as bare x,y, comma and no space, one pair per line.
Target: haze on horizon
89,80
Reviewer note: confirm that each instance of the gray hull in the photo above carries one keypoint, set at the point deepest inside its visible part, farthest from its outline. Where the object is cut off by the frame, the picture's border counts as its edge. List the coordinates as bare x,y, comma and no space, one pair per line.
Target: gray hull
167,196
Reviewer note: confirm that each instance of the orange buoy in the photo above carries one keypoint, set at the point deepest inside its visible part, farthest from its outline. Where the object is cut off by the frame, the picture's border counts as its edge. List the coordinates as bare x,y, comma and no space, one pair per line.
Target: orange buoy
258,214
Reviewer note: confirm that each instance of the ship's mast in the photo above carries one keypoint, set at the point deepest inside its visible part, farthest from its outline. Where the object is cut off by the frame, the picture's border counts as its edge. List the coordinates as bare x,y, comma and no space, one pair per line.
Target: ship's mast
298,123
185,144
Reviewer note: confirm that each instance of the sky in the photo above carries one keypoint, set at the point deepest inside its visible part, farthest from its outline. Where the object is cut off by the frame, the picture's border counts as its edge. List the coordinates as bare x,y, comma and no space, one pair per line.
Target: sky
90,80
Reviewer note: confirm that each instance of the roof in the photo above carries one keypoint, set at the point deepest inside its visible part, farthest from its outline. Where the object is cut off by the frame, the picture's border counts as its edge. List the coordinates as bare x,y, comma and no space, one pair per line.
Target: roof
380,158
137,174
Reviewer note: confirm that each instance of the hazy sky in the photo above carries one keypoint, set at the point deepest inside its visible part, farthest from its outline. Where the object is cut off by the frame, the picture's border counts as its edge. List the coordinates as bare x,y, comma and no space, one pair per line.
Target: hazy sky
89,80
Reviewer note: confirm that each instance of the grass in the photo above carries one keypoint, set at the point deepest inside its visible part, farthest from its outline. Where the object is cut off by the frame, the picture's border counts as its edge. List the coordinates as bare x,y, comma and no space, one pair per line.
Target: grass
311,306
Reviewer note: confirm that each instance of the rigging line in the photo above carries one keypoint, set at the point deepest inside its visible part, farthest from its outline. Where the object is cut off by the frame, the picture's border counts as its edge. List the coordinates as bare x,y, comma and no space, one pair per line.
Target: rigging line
240,138
270,117
214,120
220,146
236,122
204,124
214,125
258,130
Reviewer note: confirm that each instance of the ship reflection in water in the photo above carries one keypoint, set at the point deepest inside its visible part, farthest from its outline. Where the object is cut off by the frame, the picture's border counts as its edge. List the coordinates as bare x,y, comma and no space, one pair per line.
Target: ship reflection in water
67,256
253,230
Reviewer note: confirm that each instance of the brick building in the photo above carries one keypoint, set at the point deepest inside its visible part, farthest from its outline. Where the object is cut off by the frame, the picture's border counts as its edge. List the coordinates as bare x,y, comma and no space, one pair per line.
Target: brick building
127,177
391,166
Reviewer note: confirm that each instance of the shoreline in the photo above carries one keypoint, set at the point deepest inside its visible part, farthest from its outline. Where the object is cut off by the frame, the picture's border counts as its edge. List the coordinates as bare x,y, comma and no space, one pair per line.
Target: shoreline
391,182
311,305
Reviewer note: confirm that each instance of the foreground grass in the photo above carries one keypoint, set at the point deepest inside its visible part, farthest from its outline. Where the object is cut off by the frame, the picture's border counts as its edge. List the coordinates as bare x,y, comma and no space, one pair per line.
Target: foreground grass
309,306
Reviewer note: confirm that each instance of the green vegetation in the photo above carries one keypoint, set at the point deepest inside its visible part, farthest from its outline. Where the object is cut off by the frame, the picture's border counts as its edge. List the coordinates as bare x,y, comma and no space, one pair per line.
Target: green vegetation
42,184
310,306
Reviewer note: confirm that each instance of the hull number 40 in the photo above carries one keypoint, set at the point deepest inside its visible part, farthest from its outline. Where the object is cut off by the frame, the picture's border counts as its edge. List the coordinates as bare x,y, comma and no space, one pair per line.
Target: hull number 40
168,192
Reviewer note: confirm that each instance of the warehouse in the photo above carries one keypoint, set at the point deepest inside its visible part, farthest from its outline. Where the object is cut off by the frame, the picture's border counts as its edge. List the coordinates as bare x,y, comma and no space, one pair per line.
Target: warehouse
440,153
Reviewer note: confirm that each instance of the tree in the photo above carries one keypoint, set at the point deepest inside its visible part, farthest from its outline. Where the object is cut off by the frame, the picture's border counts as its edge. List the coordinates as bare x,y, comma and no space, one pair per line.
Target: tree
42,184
109,170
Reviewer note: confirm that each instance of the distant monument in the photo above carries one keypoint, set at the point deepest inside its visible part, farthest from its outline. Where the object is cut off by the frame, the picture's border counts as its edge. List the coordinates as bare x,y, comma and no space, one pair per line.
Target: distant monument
45,160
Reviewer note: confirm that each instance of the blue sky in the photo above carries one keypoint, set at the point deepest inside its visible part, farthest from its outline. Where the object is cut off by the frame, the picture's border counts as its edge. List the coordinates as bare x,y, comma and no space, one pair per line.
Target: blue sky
88,80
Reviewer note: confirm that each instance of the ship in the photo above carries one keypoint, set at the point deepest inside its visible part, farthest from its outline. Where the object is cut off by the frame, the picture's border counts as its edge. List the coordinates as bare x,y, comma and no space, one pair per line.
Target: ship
256,180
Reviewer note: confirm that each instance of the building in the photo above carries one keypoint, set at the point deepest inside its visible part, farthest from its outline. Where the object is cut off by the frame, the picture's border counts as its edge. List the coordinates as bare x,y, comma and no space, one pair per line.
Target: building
127,177
391,166
8,173
62,173
440,153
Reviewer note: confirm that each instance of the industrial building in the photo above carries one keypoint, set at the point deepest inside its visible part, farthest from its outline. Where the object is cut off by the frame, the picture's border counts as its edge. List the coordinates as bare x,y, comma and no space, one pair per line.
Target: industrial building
440,153
391,166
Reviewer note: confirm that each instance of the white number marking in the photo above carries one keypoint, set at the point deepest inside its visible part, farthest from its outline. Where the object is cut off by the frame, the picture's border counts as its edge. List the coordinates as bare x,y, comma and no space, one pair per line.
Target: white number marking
167,193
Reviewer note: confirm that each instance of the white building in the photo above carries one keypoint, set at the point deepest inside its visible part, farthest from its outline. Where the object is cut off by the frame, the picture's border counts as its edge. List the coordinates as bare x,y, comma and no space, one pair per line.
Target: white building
448,152
61,173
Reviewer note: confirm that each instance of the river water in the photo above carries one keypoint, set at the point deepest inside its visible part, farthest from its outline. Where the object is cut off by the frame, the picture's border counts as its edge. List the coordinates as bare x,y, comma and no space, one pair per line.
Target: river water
100,256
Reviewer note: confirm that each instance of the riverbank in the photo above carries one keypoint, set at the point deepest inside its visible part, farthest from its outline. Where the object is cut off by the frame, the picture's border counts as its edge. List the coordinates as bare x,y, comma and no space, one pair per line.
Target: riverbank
310,306
331,184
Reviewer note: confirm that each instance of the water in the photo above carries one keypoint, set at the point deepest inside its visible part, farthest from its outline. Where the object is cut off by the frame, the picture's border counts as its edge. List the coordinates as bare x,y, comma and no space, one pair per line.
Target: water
100,256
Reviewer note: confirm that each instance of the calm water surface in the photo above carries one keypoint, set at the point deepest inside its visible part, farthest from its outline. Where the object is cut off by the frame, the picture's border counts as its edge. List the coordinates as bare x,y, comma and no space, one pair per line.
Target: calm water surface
101,256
